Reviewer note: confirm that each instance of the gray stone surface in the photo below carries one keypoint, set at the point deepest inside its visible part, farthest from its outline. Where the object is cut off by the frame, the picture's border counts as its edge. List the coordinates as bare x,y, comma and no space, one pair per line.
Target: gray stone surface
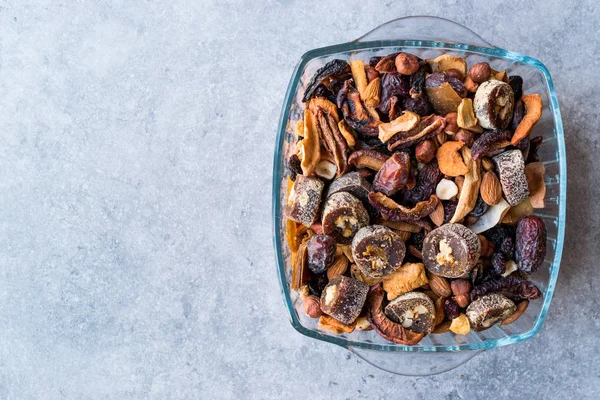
136,257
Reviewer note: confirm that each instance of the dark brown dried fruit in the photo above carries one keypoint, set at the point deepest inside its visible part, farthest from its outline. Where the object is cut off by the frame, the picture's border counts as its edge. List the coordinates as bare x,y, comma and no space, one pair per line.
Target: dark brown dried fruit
417,83
467,137
449,209
427,128
334,68
317,283
418,105
489,142
451,309
320,252
393,175
518,114
392,84
385,327
427,180
514,287
516,84
293,167
355,113
480,208
425,151
393,211
530,243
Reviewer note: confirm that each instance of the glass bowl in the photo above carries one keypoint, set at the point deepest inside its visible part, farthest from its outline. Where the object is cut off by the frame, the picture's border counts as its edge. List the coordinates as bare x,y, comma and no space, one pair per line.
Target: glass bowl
428,37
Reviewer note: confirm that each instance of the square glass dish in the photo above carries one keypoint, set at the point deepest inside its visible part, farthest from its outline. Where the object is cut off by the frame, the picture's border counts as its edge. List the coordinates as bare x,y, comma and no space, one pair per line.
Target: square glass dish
429,37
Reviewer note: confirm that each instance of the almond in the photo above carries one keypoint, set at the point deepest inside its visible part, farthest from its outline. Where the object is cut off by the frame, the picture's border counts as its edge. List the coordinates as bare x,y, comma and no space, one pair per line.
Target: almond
439,285
437,216
491,190
339,267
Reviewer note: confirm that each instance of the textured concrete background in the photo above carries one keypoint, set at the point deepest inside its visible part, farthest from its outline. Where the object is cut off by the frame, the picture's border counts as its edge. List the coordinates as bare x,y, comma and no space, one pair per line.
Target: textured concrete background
136,254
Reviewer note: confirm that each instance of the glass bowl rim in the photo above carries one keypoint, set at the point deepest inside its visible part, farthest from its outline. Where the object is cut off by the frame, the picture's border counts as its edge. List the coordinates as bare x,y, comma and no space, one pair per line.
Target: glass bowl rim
278,177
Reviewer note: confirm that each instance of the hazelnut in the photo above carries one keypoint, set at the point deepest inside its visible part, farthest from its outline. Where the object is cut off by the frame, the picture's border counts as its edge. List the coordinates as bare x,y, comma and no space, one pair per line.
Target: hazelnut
407,64
451,123
466,137
460,286
481,72
312,306
463,300
425,151
454,73
372,73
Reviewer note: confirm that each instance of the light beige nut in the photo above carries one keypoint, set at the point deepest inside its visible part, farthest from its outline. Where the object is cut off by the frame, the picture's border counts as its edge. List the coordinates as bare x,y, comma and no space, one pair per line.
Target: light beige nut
446,189
326,169
491,190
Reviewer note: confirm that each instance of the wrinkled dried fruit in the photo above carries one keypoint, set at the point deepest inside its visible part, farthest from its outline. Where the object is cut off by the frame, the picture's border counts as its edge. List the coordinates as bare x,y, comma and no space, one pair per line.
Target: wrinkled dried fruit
343,298
535,174
334,141
385,327
325,106
377,251
392,84
514,287
414,311
451,309
470,188
449,159
404,123
418,105
355,113
293,167
530,243
460,325
320,252
393,175
533,112
368,159
426,129
334,68
490,142
396,212
427,181
331,324
405,279
479,209
516,84
467,137
425,151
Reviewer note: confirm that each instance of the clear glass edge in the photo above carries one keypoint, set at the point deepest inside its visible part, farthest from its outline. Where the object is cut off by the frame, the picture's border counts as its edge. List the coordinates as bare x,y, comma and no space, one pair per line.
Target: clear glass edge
277,178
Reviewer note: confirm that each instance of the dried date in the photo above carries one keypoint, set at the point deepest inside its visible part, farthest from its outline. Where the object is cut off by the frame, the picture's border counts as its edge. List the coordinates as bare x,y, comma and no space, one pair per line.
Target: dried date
489,142
530,243
334,68
514,287
427,180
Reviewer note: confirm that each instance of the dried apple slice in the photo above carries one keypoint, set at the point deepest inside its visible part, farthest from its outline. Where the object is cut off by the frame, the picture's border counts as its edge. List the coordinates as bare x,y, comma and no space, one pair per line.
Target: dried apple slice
404,123
444,98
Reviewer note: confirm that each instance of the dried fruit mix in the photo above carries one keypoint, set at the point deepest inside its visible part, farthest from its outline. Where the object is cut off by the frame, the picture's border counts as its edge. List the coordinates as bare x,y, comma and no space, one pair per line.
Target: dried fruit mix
416,178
